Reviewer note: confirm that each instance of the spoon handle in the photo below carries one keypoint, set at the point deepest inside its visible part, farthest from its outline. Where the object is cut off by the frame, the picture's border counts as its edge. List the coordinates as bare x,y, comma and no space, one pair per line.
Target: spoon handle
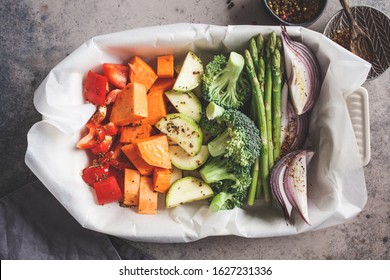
347,10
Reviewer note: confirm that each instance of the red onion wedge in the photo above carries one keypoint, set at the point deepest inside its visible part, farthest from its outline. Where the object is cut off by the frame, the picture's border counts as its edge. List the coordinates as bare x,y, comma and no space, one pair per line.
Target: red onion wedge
294,128
284,112
288,181
277,183
303,73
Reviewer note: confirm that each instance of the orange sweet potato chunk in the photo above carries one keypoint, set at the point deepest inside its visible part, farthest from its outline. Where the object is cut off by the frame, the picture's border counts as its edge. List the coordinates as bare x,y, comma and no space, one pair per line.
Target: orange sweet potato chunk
154,150
165,66
130,105
143,167
131,133
161,179
157,107
141,72
148,198
131,187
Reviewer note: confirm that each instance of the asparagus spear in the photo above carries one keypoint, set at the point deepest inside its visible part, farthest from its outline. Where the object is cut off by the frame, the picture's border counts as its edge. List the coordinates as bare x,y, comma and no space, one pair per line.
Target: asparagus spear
261,74
255,58
254,53
254,185
260,51
256,49
268,94
261,77
279,46
255,168
276,103
260,45
260,113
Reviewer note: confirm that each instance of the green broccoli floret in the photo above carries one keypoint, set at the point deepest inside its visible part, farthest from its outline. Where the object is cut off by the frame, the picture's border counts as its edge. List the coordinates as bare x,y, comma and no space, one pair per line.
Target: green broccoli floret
240,142
211,127
229,181
225,83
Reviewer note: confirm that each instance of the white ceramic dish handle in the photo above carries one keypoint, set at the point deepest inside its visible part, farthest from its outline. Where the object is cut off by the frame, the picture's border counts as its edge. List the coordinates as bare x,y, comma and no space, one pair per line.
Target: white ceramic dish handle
357,104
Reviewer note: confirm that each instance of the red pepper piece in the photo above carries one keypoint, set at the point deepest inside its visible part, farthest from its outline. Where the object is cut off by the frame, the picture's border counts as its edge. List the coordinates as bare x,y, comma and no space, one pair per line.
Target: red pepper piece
110,128
95,173
89,140
111,96
99,115
96,88
116,74
102,146
107,190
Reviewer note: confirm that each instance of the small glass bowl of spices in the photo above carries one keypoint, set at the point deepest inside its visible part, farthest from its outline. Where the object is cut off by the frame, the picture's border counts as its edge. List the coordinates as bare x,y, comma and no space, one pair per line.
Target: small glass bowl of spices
295,12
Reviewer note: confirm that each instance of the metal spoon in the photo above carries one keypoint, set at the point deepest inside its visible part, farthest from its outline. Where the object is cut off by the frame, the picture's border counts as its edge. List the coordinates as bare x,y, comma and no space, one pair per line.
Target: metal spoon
360,43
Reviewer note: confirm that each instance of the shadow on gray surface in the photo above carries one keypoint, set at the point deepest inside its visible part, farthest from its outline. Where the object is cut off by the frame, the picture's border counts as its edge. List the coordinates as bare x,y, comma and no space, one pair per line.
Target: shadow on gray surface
35,226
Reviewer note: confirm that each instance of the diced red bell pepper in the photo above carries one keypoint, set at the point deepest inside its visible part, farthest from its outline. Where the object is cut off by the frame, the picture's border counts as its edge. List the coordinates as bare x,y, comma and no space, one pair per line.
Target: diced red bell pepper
95,173
96,88
107,191
114,159
102,146
99,115
111,96
95,139
110,128
116,74
100,134
106,158
119,176
89,140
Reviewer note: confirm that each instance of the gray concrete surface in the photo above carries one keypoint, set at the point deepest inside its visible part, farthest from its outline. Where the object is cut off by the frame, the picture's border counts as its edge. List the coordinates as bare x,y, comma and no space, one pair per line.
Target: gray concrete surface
36,35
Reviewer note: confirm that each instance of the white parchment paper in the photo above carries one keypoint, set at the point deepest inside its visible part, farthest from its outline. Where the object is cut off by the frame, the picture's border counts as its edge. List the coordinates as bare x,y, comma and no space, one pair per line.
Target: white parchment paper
336,191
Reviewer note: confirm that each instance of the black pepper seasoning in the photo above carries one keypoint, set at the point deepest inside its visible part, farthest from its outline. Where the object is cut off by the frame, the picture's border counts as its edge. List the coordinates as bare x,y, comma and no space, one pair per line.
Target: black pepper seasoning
295,11
342,37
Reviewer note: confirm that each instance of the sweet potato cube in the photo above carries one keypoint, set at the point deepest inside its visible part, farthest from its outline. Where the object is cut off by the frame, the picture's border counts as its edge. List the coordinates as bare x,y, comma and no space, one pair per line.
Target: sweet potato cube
163,84
165,66
131,187
141,72
148,198
161,179
143,167
130,105
154,150
131,133
157,107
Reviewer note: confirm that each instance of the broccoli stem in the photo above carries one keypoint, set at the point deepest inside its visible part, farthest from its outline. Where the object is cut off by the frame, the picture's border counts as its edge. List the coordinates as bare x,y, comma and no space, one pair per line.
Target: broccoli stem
218,201
260,112
225,84
214,111
217,170
268,94
276,102
234,66
217,145
235,62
